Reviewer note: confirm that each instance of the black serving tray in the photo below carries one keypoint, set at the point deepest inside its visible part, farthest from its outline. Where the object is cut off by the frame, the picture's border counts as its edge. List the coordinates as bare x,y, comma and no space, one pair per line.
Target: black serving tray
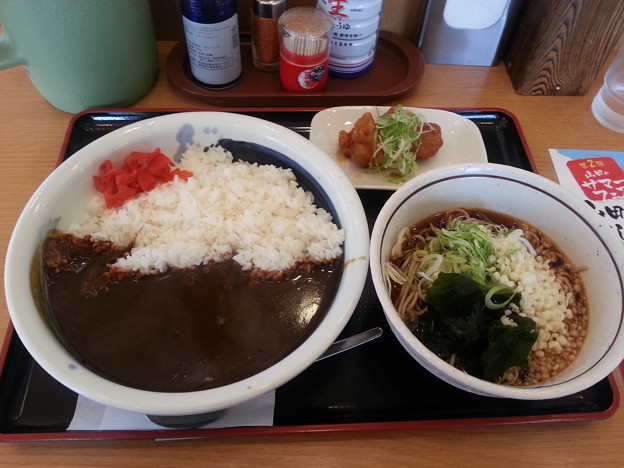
376,386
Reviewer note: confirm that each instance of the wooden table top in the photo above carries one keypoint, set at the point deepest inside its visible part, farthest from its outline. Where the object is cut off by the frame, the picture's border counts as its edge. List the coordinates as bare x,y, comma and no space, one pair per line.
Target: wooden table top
31,136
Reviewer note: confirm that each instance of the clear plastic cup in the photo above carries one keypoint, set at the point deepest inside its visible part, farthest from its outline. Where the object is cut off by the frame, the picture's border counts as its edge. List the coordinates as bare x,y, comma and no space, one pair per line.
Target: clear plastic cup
304,49
608,105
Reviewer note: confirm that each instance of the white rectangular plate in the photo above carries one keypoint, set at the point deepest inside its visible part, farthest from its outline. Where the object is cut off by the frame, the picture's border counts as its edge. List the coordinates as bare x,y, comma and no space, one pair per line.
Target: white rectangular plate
462,141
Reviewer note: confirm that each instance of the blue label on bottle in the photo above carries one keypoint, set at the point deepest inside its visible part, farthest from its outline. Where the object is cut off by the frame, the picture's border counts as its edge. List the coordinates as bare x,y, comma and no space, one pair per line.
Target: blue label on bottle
208,11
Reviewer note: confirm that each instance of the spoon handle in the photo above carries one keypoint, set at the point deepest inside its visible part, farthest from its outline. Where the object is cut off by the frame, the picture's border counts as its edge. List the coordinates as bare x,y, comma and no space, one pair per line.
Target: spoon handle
351,342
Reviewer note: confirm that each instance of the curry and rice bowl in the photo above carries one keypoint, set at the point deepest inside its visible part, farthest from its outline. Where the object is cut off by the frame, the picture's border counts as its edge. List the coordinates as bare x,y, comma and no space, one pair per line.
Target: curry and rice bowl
490,294
202,280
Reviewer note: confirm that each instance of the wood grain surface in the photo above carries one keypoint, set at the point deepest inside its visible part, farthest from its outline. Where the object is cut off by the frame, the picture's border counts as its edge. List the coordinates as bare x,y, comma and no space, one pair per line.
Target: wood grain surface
31,136
558,48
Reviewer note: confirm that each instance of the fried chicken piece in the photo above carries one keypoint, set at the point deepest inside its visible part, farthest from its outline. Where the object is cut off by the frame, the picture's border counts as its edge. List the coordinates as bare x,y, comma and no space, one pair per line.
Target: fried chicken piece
430,141
359,143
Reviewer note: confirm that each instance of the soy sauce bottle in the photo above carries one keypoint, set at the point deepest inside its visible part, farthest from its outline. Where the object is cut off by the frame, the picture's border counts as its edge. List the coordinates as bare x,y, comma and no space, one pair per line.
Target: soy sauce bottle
213,41
354,39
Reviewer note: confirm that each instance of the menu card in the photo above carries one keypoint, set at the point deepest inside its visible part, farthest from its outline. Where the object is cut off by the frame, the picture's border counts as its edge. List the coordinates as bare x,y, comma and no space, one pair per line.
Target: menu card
597,177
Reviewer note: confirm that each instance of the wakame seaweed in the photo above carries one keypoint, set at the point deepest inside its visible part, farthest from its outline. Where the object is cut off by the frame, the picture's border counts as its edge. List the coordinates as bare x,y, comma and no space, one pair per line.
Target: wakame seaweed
459,322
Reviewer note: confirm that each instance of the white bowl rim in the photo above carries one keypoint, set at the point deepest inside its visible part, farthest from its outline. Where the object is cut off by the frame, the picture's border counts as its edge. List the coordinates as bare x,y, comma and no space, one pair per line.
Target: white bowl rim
438,366
106,392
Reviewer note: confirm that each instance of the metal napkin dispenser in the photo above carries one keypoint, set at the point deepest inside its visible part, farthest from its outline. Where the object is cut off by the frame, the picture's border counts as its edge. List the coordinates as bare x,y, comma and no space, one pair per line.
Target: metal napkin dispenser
466,32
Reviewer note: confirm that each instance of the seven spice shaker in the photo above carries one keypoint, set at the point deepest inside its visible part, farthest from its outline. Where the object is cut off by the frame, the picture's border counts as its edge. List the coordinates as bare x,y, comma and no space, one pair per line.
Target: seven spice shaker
264,33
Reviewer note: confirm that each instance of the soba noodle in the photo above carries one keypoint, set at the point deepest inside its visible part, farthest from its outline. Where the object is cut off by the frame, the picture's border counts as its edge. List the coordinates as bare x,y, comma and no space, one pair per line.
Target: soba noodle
496,252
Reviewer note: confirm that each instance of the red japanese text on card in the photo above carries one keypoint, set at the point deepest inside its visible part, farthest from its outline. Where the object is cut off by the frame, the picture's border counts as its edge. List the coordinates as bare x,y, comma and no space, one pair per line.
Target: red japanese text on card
600,178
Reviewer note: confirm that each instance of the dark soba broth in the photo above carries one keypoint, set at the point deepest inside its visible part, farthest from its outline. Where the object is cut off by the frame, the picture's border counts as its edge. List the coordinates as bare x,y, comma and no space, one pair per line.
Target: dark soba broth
543,362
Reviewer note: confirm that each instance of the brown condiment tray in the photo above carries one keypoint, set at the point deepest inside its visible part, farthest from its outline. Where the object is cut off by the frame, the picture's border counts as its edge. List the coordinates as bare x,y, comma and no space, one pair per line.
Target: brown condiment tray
397,68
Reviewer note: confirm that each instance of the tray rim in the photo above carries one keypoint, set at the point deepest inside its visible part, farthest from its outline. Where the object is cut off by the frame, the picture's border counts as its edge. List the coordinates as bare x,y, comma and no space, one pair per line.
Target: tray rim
284,109
166,434
294,429
162,434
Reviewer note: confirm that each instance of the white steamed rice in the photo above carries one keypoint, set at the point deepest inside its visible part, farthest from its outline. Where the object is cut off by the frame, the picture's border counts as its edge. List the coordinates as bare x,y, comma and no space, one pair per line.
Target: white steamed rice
255,214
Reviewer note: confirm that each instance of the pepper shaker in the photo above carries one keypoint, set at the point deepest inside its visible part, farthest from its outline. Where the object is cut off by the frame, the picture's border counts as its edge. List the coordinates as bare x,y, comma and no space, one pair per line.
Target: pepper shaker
264,33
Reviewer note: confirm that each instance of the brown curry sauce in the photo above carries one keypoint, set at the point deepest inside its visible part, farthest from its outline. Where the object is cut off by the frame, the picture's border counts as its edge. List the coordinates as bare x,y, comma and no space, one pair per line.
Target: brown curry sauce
184,330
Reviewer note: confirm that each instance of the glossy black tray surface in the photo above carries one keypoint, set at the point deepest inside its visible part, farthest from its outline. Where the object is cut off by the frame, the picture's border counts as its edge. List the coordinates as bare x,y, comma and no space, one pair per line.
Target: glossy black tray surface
375,386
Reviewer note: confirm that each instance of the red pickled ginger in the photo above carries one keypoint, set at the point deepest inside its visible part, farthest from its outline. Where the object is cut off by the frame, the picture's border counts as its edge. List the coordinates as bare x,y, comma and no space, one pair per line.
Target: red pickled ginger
140,172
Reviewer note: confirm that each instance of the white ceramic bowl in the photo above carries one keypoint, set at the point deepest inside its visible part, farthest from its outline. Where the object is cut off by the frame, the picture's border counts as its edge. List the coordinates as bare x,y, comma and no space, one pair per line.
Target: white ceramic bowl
61,199
576,229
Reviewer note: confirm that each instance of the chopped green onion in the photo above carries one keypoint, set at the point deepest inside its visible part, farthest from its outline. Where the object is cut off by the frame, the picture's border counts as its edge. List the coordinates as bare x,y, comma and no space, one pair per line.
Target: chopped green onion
467,248
490,304
397,133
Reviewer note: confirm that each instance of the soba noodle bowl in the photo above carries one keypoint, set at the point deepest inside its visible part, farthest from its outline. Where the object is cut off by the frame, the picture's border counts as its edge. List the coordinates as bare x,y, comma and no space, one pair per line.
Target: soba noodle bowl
532,314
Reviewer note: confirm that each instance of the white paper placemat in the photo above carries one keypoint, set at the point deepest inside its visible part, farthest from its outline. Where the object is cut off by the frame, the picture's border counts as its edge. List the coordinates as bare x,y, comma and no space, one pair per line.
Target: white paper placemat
92,416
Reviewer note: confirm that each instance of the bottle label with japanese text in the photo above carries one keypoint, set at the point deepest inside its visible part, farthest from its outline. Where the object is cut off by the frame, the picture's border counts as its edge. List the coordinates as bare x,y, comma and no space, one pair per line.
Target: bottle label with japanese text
214,50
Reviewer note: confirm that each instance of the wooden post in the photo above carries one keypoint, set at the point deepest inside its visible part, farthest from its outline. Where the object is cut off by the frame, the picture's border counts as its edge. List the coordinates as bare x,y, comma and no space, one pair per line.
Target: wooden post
559,46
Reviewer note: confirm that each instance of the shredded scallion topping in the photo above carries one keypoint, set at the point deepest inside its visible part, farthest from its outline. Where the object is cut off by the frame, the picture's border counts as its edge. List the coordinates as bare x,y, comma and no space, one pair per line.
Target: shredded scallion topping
467,248
397,133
